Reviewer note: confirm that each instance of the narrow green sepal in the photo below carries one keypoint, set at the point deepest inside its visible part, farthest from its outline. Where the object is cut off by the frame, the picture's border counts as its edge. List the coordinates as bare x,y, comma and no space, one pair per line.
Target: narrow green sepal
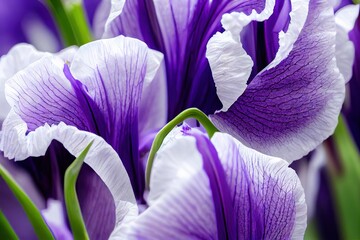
40,227
71,200
160,136
7,232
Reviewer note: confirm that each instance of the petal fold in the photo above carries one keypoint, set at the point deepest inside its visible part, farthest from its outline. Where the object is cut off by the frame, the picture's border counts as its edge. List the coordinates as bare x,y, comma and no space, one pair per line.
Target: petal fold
289,109
18,143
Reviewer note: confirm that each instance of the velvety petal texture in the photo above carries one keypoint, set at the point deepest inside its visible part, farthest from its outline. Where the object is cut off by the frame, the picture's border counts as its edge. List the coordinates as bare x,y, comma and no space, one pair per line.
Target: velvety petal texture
219,189
289,109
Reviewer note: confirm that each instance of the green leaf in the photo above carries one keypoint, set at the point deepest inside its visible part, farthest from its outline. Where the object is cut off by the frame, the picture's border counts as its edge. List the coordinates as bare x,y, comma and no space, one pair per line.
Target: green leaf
71,21
160,136
79,24
40,227
7,232
71,200
62,21
345,183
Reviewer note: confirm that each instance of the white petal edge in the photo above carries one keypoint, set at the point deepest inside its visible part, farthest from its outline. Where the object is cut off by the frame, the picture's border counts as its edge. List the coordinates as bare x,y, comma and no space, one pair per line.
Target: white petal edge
344,50
230,64
101,158
298,16
222,142
18,58
115,11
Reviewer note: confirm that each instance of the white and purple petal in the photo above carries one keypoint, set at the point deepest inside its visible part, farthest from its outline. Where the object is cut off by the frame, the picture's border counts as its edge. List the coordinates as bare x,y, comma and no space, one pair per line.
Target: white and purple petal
202,183
289,109
10,64
181,30
19,143
268,199
100,90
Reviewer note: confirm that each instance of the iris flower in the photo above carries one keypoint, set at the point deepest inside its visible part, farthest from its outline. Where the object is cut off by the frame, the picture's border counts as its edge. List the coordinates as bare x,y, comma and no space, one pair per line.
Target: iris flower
218,189
114,89
48,103
265,71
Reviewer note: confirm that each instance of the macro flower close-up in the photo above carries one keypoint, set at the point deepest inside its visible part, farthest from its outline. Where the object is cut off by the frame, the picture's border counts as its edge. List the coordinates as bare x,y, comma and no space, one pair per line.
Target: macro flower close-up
169,119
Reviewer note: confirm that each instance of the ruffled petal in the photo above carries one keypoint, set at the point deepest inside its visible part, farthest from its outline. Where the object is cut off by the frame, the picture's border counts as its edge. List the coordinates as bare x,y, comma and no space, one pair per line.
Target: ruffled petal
268,199
230,65
289,109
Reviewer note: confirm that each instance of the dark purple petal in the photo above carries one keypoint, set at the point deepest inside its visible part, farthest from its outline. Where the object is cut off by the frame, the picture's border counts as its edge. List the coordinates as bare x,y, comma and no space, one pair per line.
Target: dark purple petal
113,72
289,109
219,187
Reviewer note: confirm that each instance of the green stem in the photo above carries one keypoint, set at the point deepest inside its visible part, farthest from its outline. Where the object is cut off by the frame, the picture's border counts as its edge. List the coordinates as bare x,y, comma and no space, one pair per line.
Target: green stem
7,232
40,227
62,21
160,136
71,200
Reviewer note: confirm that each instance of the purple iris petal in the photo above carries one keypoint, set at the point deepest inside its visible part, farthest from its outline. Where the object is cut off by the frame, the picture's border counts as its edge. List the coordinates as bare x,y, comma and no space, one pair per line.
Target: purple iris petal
105,102
99,93
267,196
219,187
181,31
295,103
